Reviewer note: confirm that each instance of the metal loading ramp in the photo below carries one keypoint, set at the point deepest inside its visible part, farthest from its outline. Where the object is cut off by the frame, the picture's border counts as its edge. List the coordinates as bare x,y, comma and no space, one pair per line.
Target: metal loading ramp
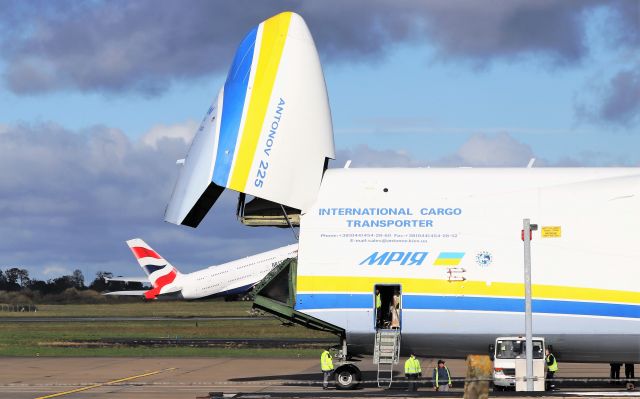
261,212
386,354
276,294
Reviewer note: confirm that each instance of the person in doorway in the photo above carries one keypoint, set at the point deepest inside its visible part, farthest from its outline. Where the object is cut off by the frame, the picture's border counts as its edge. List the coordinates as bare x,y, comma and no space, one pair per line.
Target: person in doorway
441,377
412,371
326,364
552,367
395,310
614,374
378,309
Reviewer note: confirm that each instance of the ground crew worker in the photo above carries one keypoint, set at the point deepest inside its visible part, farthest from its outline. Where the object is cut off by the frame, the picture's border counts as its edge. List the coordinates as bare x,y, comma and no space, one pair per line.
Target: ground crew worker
412,371
378,309
629,372
614,374
440,374
326,364
552,367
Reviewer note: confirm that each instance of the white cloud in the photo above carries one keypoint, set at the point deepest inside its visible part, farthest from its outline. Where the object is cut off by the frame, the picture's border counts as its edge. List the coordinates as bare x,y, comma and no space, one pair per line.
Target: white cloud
184,131
493,150
480,150
55,271
364,156
70,199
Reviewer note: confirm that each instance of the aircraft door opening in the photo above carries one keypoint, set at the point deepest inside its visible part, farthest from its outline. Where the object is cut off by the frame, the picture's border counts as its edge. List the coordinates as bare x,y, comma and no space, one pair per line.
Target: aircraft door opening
387,306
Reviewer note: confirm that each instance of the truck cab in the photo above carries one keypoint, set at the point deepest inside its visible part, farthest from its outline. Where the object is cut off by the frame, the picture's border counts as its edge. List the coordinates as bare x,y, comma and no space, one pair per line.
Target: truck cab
504,353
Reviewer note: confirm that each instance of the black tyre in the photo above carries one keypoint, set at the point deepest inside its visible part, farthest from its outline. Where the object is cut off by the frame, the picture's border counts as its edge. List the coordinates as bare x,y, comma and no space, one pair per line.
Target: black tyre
347,376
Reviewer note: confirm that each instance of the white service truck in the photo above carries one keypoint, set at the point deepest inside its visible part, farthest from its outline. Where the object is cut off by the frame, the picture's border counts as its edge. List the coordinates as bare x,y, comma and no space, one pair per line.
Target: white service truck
504,354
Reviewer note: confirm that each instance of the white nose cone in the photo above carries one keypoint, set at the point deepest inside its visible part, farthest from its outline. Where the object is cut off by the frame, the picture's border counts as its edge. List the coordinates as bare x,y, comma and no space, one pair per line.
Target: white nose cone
269,132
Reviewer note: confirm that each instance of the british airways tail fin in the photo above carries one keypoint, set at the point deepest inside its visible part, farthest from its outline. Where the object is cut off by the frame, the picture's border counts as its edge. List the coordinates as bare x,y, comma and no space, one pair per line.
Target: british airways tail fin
159,270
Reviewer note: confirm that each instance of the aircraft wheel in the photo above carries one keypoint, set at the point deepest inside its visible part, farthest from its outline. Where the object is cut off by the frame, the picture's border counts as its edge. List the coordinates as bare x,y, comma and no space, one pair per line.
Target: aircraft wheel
347,376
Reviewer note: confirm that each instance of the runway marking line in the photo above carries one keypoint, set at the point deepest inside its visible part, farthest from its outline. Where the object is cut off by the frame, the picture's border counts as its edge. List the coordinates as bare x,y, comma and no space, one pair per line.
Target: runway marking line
133,377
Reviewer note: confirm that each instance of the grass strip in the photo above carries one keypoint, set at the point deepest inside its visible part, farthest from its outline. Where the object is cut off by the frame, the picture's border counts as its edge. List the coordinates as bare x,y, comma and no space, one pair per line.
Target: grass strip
140,309
50,338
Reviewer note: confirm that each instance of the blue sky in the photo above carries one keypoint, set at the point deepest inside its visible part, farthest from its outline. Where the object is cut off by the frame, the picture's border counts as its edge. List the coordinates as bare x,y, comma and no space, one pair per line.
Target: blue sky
98,99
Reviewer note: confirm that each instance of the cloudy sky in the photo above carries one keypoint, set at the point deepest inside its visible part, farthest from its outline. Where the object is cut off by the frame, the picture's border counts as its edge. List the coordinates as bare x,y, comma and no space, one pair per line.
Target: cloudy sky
99,98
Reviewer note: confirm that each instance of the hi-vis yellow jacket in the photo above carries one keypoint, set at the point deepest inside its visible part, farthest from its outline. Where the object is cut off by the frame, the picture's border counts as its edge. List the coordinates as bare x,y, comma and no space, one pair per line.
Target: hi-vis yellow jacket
412,366
326,363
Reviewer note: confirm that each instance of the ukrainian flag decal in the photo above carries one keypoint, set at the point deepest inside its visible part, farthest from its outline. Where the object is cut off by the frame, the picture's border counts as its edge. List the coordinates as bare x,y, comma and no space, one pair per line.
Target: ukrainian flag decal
449,259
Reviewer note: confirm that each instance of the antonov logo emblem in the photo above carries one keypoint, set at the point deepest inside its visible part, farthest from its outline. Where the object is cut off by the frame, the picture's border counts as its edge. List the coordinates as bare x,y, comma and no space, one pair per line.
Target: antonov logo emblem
484,258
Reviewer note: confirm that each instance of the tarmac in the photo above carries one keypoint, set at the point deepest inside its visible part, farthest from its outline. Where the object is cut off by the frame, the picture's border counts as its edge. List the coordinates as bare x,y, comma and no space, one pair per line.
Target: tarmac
188,378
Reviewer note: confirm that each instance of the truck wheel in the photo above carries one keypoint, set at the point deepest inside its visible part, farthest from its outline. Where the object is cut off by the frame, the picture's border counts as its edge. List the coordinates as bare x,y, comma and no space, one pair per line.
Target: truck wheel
347,376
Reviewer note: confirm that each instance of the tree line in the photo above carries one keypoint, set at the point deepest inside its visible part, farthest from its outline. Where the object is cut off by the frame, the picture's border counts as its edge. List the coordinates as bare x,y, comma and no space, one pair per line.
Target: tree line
17,286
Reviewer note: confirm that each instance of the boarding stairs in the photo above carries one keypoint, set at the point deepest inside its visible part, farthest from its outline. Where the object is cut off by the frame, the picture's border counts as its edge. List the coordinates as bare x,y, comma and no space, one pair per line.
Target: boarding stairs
386,354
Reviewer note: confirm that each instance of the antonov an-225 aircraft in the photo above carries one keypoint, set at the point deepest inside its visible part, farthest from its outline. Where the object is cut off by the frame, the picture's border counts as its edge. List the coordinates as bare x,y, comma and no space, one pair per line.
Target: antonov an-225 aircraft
228,279
446,240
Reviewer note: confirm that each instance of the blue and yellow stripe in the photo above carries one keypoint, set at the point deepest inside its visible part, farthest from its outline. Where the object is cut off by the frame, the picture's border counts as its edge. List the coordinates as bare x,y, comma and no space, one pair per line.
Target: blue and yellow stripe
435,302
327,292
234,93
240,126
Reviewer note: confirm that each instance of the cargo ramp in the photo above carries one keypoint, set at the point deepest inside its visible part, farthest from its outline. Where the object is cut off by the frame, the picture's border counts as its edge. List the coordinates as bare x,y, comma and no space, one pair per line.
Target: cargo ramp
276,295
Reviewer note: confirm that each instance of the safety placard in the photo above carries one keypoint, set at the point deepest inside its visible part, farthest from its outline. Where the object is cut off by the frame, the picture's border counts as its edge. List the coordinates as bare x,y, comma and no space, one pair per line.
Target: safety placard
551,231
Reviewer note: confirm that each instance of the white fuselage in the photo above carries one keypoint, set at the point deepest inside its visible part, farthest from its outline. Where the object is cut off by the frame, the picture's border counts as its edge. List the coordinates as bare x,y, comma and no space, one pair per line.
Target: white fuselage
451,240
230,278
447,239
